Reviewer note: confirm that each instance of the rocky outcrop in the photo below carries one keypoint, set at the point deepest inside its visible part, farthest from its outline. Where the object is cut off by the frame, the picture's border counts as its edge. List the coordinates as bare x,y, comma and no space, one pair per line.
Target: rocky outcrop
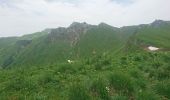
158,23
71,33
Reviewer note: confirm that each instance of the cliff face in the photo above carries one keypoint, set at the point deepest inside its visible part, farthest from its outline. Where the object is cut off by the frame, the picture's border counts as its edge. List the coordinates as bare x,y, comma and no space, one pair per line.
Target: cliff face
71,34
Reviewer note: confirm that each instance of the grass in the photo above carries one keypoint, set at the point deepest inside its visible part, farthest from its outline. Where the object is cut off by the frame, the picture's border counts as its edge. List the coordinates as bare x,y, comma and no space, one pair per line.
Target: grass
100,89
78,92
81,80
122,83
147,95
163,88
108,65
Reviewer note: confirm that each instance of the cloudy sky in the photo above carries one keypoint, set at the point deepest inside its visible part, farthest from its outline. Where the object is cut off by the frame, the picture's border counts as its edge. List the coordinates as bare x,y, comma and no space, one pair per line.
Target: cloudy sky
18,17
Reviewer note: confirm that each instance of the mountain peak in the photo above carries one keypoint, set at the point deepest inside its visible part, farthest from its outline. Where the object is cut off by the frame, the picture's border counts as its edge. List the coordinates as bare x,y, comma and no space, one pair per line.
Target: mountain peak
76,24
103,24
157,23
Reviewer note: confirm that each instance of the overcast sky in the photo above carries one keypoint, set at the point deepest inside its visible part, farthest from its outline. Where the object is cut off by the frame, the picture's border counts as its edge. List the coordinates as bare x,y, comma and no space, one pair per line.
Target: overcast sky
18,17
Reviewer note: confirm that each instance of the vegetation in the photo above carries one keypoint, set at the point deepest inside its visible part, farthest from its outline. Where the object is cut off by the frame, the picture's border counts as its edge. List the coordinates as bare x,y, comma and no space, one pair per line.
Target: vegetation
110,66
126,77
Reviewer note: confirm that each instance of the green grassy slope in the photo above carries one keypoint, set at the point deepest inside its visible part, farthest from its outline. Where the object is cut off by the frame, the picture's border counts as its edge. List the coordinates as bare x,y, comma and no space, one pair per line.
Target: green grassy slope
109,64
56,47
7,46
46,49
100,39
138,76
11,47
158,36
42,51
34,35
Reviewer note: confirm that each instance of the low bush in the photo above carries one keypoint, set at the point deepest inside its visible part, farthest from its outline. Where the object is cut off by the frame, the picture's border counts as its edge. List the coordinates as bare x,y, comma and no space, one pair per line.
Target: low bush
100,89
78,92
145,95
163,89
121,83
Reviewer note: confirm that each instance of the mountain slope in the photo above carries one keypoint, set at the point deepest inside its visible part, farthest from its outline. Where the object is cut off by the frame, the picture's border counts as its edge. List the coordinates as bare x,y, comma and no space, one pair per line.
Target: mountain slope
81,40
69,43
157,33
87,62
100,39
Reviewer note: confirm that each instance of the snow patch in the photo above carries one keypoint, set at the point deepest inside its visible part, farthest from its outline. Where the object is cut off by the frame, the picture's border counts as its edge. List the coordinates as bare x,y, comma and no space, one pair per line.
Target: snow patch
151,48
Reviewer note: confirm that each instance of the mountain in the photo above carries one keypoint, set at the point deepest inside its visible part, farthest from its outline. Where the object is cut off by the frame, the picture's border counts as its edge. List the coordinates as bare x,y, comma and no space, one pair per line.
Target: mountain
87,62
81,40
155,34
60,44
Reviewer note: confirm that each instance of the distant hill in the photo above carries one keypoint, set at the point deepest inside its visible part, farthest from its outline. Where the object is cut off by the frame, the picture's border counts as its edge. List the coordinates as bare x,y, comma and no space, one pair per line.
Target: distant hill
79,41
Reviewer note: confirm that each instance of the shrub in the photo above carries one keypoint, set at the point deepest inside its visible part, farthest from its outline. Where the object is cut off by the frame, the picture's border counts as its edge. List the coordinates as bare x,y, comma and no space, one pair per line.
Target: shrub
78,92
137,58
99,89
121,83
123,61
120,97
66,68
21,84
163,88
138,79
162,73
145,95
47,80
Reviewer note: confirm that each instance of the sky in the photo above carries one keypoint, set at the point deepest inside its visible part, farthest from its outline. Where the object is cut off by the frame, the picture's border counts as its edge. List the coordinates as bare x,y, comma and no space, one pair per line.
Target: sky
19,17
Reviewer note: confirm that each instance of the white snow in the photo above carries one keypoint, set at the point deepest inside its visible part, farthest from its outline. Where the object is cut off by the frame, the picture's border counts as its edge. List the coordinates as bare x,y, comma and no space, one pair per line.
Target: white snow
151,48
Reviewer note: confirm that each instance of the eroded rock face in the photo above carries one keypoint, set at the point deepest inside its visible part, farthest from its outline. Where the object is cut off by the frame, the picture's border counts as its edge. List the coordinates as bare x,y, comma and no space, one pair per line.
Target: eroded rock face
76,30
71,34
